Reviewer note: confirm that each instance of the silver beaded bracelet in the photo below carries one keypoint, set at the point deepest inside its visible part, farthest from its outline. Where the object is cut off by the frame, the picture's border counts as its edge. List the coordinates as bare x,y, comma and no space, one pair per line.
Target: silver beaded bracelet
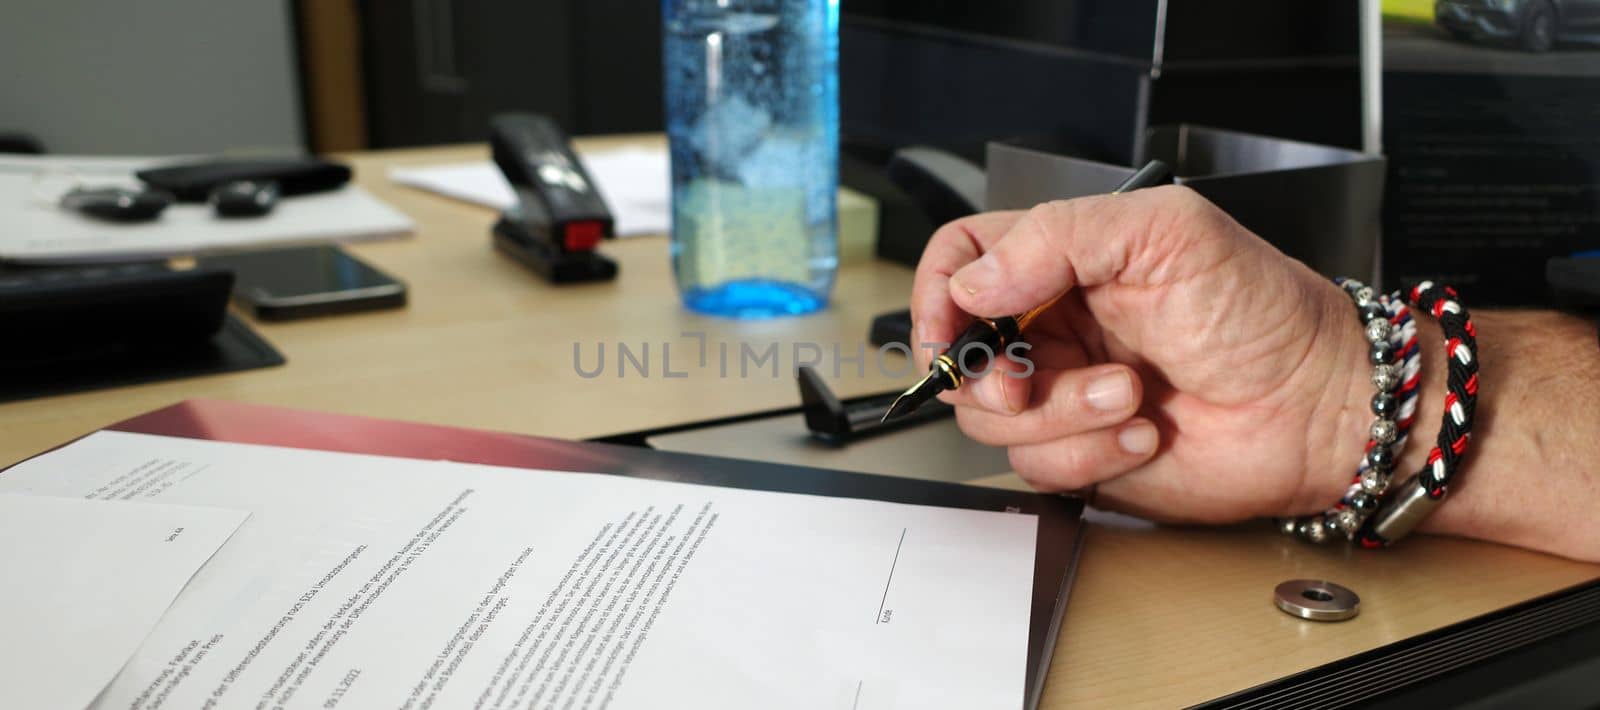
1396,359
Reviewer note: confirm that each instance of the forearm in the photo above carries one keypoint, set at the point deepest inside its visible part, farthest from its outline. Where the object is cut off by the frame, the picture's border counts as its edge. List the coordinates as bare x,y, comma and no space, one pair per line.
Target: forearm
1532,475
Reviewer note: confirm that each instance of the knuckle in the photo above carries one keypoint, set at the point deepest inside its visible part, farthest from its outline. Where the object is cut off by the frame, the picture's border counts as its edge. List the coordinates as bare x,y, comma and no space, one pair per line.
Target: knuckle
950,237
1022,462
1180,226
995,391
1045,212
961,225
1187,208
1054,218
975,424
1042,243
1039,484
1072,409
1058,466
1068,408
948,233
1182,197
1062,412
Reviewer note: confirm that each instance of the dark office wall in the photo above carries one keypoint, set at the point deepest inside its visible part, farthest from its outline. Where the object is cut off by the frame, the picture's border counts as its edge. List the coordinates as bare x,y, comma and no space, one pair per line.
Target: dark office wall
1120,28
901,86
1088,76
437,69
942,72
1260,30
1285,69
619,64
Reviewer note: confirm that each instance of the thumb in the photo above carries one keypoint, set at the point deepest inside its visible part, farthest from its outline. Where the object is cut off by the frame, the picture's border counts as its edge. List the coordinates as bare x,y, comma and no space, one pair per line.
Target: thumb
1055,247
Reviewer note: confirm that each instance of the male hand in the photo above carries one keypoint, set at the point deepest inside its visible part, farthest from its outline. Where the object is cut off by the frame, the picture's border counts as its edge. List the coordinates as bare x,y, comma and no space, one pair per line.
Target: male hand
1191,371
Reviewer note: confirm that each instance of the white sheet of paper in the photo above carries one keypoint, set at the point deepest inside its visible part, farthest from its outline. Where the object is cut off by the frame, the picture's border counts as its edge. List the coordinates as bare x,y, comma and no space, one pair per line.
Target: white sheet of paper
633,181
84,583
34,229
372,582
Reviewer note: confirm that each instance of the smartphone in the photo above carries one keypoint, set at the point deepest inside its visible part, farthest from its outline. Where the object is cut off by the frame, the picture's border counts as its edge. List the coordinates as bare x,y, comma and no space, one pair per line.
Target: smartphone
300,282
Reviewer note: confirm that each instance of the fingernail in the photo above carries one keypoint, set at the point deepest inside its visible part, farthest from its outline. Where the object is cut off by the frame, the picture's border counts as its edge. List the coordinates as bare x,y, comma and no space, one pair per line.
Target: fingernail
1138,438
977,276
1111,393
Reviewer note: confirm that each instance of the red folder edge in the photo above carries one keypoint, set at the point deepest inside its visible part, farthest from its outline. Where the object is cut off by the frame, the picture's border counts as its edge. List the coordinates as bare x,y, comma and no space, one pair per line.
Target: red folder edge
240,423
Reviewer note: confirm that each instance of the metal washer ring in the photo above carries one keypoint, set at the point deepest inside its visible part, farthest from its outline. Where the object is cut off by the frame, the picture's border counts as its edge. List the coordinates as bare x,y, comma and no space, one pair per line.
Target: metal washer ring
1317,600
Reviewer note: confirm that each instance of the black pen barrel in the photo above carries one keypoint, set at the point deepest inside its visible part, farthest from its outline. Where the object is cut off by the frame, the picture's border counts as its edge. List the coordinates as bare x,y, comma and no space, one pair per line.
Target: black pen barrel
1153,173
983,341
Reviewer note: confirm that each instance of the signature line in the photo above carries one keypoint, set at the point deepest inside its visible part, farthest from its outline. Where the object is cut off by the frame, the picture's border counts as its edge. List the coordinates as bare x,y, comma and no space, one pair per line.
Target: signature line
879,618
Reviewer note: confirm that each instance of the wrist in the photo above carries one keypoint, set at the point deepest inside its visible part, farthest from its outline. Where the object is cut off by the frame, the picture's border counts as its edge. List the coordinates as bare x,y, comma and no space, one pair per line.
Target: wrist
1530,478
1343,414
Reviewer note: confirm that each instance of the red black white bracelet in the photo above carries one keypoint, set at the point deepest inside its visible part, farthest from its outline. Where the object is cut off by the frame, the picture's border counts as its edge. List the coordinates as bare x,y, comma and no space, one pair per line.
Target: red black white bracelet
1372,512
1406,506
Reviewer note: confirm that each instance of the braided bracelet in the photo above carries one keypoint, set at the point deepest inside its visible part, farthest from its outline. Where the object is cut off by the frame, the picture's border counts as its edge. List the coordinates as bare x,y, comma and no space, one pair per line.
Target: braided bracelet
1408,505
1396,368
1364,514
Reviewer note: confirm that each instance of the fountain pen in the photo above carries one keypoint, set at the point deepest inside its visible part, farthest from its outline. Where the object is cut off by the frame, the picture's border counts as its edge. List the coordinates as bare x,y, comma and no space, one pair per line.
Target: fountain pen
972,351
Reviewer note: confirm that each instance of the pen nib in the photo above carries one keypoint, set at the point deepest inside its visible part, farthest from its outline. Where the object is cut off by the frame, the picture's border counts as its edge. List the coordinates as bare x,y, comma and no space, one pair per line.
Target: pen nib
911,399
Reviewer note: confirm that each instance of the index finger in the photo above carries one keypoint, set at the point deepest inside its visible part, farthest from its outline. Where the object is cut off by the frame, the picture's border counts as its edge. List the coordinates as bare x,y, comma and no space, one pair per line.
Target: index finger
935,318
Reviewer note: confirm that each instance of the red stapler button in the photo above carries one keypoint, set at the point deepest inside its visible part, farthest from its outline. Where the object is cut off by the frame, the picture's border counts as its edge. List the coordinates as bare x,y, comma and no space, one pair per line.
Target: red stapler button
583,236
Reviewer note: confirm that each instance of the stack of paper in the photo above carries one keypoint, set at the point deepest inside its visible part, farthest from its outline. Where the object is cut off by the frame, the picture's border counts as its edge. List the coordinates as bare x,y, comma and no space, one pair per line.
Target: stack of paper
33,228
371,582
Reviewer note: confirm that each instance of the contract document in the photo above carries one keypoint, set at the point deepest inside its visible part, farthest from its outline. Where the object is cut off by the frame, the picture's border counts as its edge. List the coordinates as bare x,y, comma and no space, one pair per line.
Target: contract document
84,582
375,582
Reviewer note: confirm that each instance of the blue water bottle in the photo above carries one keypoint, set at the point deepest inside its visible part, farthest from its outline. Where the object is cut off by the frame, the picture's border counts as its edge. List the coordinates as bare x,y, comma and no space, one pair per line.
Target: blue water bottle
752,94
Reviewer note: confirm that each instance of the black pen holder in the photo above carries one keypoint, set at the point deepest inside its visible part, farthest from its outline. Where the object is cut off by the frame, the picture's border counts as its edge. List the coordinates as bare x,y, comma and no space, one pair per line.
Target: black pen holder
1316,203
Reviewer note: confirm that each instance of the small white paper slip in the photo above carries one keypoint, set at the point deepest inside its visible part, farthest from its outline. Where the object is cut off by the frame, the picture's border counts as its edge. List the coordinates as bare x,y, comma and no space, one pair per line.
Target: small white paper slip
633,181
85,582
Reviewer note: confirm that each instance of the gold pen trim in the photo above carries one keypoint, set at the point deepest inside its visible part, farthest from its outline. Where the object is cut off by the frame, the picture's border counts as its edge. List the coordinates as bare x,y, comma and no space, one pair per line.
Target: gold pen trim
951,371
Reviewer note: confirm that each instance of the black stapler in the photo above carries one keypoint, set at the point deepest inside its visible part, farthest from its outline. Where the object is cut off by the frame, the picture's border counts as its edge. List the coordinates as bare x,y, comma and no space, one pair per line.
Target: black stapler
559,217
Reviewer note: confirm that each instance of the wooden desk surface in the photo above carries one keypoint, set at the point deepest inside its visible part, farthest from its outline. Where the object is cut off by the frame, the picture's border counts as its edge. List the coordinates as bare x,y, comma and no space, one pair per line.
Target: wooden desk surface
1157,617
485,343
